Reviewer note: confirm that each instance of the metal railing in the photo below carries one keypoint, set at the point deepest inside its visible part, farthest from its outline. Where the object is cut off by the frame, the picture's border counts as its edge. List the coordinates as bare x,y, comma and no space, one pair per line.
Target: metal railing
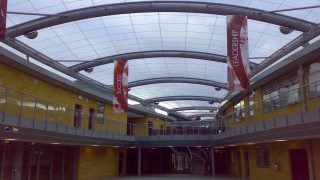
22,107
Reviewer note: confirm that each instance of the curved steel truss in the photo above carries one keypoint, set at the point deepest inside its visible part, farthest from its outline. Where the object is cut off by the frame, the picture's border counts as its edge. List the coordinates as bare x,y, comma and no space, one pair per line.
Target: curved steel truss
177,98
158,6
178,80
210,108
152,54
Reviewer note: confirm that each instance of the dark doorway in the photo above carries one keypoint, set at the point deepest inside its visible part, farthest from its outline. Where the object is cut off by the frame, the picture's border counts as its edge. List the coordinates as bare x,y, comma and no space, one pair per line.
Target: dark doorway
129,129
239,163
150,128
246,163
91,118
299,164
77,116
121,159
222,161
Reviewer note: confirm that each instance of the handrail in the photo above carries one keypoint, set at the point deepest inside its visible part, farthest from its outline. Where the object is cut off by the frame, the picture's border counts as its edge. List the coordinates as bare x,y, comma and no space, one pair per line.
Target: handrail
24,105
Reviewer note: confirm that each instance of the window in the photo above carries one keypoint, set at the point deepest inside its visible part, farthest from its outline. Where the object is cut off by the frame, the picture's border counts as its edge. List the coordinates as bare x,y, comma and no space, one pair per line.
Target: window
100,113
251,106
263,156
275,101
314,80
266,103
281,92
239,111
293,95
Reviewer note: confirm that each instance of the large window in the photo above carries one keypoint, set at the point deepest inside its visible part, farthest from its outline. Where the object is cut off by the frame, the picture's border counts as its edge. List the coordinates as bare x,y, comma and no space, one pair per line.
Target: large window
314,80
239,111
100,113
263,155
251,106
281,92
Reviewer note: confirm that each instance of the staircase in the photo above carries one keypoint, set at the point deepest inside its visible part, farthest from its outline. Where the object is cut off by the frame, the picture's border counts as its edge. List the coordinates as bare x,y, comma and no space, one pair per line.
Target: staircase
197,166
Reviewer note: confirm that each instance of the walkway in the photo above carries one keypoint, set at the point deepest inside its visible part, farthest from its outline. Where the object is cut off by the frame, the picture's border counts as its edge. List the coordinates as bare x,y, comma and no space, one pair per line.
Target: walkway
174,177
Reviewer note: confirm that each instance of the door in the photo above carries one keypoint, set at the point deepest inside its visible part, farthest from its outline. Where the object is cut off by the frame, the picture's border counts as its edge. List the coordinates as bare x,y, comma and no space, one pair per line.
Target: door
150,128
121,165
129,129
299,164
246,163
91,118
77,116
239,163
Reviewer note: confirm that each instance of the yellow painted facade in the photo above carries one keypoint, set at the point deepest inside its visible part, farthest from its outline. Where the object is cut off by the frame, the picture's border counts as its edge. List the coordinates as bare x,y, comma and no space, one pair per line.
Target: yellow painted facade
96,163
52,103
279,152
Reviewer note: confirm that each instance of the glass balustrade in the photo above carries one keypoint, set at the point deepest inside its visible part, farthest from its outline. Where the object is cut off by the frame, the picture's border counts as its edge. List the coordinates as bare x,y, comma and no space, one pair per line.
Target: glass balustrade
19,106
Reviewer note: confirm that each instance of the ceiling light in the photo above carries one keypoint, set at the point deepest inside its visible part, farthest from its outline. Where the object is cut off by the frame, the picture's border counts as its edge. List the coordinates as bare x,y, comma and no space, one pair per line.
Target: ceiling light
285,30
281,140
31,35
88,70
94,145
161,112
10,139
131,102
54,143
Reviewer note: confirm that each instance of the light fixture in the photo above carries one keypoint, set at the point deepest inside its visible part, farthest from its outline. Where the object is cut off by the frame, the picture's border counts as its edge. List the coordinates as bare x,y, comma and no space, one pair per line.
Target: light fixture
88,70
94,145
10,139
281,140
79,96
285,30
115,146
131,102
249,143
31,35
55,143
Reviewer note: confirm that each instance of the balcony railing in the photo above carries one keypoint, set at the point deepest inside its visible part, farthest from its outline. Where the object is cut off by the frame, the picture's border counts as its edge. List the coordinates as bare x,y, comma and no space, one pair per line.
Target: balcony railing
20,108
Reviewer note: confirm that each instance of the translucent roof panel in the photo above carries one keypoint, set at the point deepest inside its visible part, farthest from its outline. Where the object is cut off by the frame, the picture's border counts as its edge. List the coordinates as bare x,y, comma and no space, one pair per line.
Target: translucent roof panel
186,103
163,67
175,89
105,36
57,6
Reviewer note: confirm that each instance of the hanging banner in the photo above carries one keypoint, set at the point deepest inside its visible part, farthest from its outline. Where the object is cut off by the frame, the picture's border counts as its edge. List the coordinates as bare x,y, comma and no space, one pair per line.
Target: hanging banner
238,53
120,86
3,18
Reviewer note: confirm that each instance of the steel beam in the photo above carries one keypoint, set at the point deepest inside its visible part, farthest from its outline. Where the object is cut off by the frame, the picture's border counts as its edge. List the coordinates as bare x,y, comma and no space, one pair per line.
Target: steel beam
153,54
193,108
202,115
177,80
177,98
158,6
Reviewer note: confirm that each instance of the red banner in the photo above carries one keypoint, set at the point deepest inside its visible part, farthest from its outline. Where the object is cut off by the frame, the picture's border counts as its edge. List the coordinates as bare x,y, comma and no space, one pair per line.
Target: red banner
238,53
120,86
3,18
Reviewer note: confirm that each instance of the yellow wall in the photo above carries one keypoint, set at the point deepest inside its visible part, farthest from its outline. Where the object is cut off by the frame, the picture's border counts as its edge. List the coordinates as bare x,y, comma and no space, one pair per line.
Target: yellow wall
279,152
58,99
98,162
140,126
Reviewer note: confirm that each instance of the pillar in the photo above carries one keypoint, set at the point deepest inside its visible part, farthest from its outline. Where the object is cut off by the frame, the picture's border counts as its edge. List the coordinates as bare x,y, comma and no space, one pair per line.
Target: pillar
139,161
213,169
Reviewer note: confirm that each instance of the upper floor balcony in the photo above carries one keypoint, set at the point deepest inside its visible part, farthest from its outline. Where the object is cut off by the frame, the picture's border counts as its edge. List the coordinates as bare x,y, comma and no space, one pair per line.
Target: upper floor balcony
288,115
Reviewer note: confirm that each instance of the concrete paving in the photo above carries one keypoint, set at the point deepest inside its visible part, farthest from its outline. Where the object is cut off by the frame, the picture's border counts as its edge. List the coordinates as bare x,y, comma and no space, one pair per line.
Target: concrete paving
174,177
